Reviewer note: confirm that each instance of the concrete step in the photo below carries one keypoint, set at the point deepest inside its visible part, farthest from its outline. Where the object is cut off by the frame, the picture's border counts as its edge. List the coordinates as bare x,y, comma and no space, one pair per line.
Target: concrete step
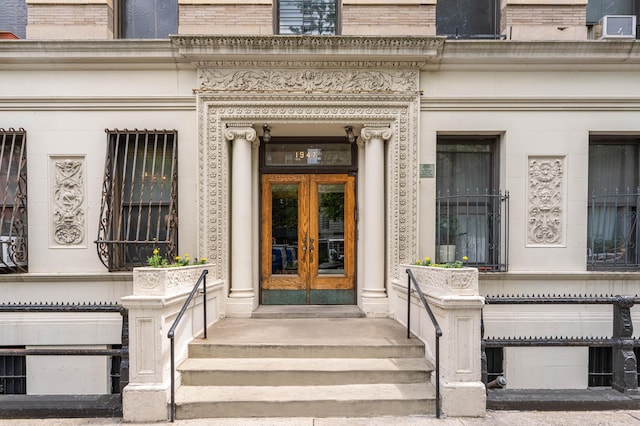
363,400
307,338
307,311
302,371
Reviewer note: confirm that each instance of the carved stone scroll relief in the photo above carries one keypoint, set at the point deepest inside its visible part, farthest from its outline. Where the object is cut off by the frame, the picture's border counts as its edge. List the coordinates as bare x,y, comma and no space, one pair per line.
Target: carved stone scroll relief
545,201
68,200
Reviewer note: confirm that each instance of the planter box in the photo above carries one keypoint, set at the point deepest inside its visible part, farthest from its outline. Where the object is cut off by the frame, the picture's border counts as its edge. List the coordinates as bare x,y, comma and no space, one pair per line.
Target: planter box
148,281
453,281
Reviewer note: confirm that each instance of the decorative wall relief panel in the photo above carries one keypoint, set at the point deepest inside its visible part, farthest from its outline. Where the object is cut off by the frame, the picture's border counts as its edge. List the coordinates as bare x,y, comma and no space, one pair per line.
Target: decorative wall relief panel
68,200
545,213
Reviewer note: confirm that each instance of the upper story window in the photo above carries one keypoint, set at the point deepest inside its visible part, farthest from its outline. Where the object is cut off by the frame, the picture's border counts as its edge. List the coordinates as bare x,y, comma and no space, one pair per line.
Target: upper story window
307,17
139,198
471,217
148,18
596,9
13,201
13,17
468,19
614,177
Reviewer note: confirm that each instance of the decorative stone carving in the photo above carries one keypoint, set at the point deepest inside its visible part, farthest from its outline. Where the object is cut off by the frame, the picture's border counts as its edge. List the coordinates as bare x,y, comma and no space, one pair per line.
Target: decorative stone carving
244,131
149,281
458,281
216,110
307,81
545,200
372,131
68,194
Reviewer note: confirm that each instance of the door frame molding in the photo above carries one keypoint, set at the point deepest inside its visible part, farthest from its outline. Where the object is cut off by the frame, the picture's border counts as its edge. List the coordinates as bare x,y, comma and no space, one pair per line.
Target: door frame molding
398,104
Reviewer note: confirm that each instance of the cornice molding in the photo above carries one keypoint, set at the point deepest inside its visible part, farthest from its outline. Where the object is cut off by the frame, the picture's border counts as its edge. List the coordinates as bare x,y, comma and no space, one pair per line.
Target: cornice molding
530,104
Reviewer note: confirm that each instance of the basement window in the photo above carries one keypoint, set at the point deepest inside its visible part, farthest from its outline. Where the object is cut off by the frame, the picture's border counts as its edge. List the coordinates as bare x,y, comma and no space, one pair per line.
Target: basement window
13,373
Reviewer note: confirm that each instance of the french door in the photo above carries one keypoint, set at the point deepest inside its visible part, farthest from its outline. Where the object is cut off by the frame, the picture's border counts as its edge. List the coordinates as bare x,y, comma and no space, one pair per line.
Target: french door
308,239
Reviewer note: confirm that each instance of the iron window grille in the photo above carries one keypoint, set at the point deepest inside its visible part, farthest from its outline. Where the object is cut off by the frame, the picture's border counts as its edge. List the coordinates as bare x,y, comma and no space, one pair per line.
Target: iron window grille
139,198
13,196
601,366
475,225
13,374
613,235
307,17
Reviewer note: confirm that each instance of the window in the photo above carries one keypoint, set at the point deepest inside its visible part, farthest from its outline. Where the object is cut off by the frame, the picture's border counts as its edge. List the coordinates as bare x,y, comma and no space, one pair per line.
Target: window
139,198
495,367
13,17
612,230
596,9
148,18
13,202
13,373
470,210
311,17
468,19
601,366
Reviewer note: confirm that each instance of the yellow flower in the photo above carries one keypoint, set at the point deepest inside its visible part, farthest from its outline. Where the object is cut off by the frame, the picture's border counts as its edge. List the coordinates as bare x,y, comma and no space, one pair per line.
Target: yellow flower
465,258
156,251
427,259
203,259
177,257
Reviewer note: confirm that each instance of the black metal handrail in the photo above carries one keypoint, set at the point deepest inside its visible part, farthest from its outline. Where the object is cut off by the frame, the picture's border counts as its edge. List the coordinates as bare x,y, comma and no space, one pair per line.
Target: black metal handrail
172,330
436,326
122,352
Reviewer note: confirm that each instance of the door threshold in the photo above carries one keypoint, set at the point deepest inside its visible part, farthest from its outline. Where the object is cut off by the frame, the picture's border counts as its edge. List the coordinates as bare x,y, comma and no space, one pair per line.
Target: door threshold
308,311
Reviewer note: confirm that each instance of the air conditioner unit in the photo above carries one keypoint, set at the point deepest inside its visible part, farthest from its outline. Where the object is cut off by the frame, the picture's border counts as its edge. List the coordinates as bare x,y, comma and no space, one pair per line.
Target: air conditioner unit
615,26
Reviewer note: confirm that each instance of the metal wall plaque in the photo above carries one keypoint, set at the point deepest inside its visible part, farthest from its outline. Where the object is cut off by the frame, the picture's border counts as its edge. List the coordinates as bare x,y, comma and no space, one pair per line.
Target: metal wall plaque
427,171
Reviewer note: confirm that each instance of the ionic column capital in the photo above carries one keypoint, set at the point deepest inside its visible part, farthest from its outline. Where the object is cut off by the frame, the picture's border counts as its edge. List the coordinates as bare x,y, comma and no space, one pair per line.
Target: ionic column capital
374,132
242,131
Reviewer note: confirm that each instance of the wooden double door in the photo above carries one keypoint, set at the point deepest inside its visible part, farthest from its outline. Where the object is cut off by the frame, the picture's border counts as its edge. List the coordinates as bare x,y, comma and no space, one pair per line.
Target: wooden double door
308,239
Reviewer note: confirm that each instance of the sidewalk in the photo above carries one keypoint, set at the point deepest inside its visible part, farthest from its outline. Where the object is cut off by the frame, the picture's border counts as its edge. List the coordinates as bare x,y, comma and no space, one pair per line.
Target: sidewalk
500,418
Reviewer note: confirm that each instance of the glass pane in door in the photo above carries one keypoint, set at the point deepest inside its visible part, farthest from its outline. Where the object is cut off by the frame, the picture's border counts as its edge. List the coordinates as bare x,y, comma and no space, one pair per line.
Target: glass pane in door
331,252
284,229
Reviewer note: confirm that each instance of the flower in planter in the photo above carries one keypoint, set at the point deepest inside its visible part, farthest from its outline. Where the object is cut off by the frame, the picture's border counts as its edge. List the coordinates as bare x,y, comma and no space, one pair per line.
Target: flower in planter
455,264
157,261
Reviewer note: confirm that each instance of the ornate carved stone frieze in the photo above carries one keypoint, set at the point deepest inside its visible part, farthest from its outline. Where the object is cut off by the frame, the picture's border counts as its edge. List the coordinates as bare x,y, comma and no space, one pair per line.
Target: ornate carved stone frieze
68,197
545,199
307,81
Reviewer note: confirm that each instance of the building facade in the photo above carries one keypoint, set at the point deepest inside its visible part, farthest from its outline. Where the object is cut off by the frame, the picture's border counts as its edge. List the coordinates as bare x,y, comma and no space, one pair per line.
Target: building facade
307,149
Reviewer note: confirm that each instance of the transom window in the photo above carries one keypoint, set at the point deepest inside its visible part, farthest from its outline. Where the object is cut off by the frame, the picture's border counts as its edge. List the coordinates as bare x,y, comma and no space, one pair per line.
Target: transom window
310,17
139,198
13,201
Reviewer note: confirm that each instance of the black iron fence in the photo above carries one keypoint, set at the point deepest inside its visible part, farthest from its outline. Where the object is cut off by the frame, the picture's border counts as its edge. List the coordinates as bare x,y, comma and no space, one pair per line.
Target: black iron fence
119,353
624,369
613,235
473,224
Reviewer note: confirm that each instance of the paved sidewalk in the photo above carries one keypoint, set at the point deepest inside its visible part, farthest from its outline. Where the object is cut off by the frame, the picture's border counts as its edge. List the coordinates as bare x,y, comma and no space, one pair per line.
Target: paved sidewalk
500,418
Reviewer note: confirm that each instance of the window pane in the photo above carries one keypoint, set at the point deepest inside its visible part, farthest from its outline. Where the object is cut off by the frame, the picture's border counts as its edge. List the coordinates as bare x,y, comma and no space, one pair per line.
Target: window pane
149,18
13,17
596,9
327,154
307,17
467,18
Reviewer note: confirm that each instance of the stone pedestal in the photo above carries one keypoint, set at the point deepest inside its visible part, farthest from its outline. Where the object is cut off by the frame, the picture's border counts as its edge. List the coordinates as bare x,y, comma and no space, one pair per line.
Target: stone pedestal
452,294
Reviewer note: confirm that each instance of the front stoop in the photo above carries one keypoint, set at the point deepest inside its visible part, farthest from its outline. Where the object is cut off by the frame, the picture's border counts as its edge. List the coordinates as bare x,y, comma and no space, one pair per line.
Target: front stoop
320,367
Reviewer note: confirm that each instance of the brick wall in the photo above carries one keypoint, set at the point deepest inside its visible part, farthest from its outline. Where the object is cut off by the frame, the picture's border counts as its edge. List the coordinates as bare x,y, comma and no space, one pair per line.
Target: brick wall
69,21
249,19
389,19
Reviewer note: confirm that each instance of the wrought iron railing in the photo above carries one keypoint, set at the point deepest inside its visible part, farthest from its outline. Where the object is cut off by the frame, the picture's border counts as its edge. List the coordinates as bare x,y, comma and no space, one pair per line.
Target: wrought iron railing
172,331
13,201
622,342
475,224
121,352
139,198
437,330
613,235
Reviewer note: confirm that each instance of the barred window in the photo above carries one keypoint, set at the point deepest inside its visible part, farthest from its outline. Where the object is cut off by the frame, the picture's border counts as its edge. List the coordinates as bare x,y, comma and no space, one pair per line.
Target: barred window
13,199
13,373
308,17
139,198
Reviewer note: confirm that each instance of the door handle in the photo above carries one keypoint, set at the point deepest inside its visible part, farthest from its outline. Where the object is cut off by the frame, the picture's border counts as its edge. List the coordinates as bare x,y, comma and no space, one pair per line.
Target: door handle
311,248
